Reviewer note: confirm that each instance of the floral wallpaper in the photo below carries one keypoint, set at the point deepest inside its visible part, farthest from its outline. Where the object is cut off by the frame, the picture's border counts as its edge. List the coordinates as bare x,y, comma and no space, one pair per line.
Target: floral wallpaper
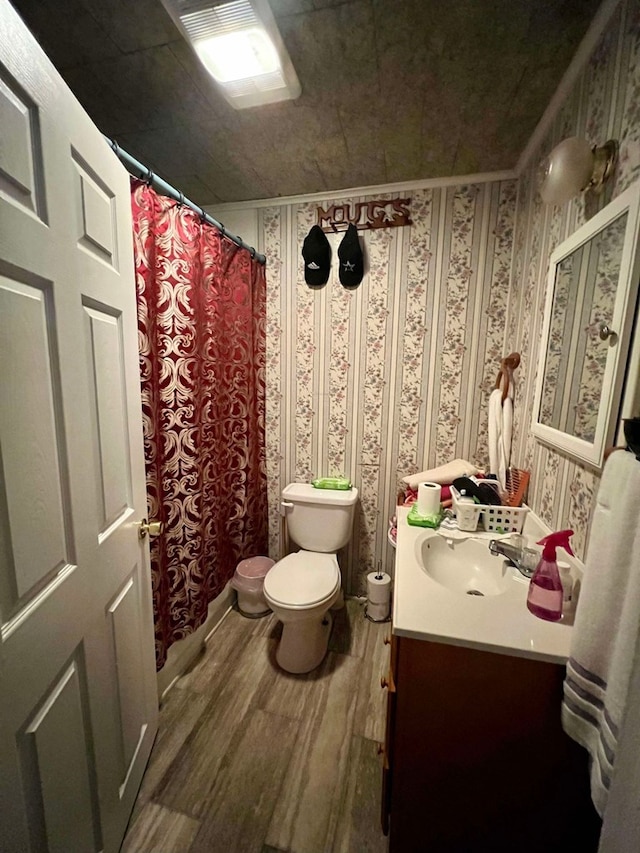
604,104
394,376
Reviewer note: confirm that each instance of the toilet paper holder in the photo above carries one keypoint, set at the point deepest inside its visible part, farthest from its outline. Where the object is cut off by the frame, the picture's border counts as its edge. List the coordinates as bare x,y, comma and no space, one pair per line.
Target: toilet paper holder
378,596
376,621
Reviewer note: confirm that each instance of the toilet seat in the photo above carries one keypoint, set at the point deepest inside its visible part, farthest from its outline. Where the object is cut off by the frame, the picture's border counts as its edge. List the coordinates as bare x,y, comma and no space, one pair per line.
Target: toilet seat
302,580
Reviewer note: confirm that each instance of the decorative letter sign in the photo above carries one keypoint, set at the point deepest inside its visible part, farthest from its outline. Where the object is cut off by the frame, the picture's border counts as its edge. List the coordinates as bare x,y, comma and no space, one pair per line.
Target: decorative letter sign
365,214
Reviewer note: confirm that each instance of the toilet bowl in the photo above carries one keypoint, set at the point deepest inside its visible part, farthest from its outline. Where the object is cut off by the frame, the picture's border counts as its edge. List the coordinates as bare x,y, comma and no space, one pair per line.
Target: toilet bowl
304,585
300,589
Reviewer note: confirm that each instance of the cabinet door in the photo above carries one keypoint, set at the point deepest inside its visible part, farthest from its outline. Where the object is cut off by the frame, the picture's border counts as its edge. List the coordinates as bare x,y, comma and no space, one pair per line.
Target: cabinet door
388,738
476,740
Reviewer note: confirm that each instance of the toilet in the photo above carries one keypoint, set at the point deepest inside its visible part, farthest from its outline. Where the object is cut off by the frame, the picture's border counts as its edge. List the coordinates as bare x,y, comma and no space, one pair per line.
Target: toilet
302,586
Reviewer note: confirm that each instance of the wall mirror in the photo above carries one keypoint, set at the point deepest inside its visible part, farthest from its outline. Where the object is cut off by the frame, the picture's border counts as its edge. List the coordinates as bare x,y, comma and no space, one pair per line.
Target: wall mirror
589,312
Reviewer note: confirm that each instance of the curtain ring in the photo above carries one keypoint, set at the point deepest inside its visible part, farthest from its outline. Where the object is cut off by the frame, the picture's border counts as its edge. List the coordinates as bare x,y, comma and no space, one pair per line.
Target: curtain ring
150,177
180,202
253,252
203,216
114,147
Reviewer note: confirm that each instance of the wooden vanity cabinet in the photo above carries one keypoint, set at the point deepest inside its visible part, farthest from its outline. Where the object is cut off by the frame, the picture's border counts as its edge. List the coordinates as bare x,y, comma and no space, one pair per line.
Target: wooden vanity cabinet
475,758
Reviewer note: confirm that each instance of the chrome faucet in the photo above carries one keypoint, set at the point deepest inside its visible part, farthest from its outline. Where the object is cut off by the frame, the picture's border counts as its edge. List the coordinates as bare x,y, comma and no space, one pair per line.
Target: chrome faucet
511,553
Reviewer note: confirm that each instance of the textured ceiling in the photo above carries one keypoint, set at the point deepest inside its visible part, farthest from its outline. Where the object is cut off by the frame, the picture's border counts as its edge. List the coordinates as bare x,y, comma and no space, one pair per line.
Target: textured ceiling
392,90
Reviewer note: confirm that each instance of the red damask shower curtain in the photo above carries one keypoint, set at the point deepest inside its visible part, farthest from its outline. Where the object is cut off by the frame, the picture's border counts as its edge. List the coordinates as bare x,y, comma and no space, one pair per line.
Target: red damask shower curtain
201,321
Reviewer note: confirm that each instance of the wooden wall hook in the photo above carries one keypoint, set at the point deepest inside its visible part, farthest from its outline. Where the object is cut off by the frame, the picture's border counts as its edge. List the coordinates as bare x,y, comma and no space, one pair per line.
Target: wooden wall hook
507,366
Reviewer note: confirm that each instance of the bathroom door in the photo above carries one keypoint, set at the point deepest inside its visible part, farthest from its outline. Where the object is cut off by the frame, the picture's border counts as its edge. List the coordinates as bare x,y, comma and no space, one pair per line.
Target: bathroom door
78,706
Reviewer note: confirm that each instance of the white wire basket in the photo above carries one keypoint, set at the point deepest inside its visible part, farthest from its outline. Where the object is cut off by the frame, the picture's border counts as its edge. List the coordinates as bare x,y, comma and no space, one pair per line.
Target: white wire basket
497,519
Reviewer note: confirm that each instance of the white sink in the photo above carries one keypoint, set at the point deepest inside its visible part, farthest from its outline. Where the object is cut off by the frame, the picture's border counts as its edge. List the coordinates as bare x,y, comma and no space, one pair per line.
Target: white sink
463,565
435,580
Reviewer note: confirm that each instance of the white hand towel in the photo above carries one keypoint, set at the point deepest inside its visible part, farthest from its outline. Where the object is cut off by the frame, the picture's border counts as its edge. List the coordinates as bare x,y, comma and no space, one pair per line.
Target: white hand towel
497,463
507,426
607,625
443,475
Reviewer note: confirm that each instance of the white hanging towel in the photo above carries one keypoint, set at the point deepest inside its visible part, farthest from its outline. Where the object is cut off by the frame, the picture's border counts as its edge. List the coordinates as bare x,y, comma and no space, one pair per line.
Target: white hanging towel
507,426
607,626
495,430
500,426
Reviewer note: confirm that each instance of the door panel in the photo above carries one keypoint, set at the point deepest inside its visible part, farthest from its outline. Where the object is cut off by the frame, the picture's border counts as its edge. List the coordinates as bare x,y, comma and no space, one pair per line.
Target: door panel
57,736
78,704
104,333
124,616
33,469
20,153
96,213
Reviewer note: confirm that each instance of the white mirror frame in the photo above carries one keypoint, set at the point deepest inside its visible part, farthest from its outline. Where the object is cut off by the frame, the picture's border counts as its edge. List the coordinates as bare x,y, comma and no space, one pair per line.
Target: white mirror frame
621,323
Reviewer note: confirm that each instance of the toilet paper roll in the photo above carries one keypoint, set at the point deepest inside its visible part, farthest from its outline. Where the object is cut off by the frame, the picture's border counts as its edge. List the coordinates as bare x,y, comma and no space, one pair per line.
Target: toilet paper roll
378,612
429,498
378,589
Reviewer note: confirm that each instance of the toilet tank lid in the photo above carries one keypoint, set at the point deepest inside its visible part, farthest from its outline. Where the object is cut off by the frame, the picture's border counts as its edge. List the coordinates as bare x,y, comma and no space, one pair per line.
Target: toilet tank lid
305,493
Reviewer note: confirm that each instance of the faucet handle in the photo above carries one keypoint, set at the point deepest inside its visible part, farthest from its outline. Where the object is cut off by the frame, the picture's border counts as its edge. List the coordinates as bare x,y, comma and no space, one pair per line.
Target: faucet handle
529,561
518,540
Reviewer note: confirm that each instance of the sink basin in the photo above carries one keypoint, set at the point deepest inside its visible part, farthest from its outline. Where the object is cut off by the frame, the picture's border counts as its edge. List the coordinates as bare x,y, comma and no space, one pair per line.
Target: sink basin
434,600
463,565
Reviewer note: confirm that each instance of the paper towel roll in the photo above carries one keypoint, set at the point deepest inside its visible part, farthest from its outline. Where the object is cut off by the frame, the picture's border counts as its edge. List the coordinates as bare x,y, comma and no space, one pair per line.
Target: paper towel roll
429,498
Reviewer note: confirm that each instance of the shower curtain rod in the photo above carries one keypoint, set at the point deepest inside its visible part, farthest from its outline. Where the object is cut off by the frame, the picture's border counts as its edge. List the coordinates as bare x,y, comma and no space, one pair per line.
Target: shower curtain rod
138,170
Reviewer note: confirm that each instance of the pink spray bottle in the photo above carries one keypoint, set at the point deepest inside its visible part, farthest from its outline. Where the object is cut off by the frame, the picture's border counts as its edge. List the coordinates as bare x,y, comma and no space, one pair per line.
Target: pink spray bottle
545,589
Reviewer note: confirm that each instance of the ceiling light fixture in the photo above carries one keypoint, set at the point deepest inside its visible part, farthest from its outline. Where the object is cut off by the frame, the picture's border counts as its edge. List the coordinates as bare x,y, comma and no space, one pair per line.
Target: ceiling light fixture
575,166
239,44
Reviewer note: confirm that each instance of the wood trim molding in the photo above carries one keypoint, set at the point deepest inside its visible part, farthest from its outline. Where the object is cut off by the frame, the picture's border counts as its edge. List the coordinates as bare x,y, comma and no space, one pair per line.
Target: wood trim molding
183,652
351,192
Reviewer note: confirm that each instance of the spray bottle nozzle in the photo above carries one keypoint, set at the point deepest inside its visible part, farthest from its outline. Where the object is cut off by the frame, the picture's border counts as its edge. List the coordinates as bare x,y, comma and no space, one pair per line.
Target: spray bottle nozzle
560,539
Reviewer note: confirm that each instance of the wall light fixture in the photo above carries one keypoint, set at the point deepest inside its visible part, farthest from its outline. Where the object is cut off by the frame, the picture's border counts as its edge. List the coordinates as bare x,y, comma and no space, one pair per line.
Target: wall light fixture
575,166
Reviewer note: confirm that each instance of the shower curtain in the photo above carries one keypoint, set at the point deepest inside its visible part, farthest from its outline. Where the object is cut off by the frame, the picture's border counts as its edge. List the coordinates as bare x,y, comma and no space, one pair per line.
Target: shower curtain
201,326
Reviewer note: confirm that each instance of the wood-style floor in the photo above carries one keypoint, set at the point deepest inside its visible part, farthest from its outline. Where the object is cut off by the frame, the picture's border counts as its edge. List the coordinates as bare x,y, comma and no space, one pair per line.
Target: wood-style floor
249,758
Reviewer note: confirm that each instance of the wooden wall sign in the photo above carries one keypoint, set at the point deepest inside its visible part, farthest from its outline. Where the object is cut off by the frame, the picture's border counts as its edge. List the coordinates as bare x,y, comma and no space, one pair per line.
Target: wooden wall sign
365,215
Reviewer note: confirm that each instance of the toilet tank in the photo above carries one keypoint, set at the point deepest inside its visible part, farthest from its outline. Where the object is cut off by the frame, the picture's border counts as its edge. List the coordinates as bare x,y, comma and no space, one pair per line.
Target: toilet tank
319,519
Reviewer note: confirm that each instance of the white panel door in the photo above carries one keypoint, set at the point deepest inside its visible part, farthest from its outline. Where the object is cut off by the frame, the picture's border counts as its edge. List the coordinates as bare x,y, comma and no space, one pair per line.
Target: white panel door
78,707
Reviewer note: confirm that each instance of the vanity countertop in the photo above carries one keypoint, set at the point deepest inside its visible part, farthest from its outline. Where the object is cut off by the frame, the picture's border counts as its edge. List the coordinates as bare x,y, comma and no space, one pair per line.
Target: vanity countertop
425,610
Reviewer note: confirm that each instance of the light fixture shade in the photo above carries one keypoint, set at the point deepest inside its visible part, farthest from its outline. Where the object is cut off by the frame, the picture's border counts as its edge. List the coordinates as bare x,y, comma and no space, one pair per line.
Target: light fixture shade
237,55
238,42
569,169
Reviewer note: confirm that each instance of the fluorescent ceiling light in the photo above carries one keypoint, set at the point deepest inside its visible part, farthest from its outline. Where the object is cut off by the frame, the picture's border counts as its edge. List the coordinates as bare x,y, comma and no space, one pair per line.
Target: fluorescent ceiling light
239,44
238,55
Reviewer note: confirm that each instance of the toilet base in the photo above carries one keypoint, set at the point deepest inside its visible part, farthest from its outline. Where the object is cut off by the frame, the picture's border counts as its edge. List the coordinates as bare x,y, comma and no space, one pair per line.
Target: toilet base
303,644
